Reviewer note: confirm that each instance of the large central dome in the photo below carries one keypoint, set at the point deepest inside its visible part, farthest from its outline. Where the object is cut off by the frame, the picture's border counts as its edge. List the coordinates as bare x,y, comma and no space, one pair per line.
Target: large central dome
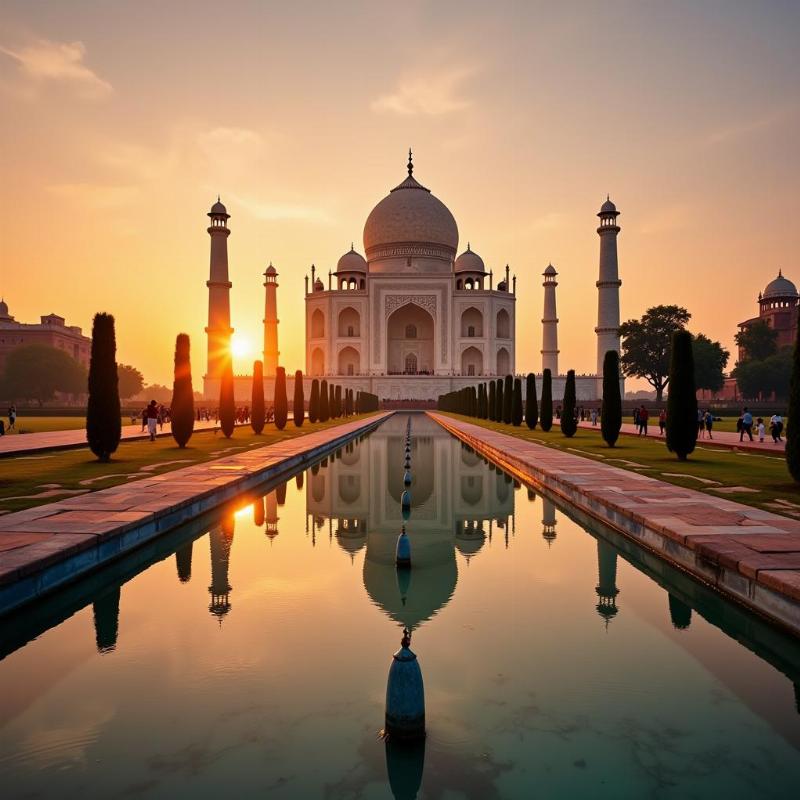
410,222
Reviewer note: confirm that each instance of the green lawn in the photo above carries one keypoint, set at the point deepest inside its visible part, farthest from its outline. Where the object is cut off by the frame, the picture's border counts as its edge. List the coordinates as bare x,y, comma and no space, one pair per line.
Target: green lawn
49,472
766,474
40,424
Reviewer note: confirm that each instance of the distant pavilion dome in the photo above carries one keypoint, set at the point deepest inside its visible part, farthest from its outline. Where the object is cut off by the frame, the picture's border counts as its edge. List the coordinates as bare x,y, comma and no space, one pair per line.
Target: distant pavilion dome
469,261
502,286
3,310
410,214
352,261
607,208
780,287
319,286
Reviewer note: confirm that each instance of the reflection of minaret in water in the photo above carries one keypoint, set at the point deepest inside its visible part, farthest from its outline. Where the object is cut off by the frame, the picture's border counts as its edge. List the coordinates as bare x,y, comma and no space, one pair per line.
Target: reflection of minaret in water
183,562
106,620
607,580
272,516
679,613
405,763
221,539
548,521
258,512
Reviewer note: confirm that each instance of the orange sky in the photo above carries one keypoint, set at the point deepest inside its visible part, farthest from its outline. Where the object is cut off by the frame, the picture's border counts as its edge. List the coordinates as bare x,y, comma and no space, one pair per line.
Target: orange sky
122,121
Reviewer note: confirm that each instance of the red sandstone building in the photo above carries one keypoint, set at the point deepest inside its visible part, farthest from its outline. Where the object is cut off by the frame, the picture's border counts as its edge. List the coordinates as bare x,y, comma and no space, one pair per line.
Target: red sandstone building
51,331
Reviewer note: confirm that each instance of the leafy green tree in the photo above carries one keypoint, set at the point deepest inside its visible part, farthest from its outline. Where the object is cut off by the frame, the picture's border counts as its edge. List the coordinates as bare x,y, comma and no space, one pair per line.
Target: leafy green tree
611,410
182,406
710,360
299,402
227,401
531,404
682,397
313,402
103,420
131,381
646,344
281,401
793,417
761,378
258,414
508,399
324,402
516,403
569,424
37,372
757,341
546,416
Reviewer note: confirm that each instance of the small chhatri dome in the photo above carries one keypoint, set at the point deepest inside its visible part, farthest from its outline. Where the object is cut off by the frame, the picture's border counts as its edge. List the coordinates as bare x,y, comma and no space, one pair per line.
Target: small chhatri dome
351,261
780,287
410,214
469,261
218,208
551,270
502,286
607,208
271,270
3,308
318,285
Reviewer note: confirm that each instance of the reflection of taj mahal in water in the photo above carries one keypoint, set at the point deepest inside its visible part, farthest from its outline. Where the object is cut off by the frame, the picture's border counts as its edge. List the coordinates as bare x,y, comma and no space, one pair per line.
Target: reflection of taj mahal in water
412,319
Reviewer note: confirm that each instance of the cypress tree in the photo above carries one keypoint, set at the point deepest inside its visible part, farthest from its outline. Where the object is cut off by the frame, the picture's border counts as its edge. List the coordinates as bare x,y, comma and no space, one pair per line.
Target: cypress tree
498,400
313,403
103,415
338,400
531,404
331,401
546,417
682,398
492,401
568,422
281,401
299,404
516,405
324,409
508,399
611,409
227,402
793,417
482,397
182,410
258,413
358,402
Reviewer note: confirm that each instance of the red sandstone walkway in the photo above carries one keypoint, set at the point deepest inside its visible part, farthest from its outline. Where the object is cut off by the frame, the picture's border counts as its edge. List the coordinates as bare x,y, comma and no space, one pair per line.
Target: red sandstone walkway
105,523
18,444
747,553
721,438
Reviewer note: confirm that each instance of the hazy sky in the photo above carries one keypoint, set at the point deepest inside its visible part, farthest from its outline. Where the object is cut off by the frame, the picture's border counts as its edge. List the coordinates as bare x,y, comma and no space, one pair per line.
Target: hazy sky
121,121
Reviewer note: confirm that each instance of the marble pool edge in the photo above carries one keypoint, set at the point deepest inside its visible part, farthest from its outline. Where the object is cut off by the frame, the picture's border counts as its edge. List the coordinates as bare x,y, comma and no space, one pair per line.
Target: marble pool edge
45,572
779,607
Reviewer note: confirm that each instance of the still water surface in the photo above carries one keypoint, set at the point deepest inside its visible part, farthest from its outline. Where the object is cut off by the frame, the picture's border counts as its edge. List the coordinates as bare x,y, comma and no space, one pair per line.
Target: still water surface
247,654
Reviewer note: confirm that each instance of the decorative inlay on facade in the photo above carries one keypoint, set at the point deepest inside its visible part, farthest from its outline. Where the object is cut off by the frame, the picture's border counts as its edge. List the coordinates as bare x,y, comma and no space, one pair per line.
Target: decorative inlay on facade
395,301
403,250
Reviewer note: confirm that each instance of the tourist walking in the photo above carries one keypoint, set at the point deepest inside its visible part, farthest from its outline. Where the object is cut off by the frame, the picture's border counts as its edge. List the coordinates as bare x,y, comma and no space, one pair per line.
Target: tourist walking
747,425
636,418
12,417
643,417
662,421
776,427
594,416
144,419
709,420
701,417
761,428
152,419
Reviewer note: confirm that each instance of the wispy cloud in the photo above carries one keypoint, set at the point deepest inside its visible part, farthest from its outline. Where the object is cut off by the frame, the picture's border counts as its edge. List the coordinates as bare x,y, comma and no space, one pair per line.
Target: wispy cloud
430,93
43,60
744,128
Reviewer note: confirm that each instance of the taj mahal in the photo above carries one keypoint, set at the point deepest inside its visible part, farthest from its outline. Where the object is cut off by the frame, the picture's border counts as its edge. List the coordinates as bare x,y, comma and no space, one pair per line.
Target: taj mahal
410,319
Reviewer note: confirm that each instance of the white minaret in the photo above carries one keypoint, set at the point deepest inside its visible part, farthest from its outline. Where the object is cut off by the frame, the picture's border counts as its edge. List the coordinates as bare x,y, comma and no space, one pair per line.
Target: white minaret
271,321
608,284
550,322
219,287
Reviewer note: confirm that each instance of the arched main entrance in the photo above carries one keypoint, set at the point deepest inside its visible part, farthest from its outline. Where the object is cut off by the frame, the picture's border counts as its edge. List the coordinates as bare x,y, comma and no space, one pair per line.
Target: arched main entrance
472,362
349,361
409,340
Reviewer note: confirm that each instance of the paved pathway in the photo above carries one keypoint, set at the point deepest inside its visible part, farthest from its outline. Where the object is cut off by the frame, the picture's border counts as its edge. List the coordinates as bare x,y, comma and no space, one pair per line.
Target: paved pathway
750,554
20,443
722,438
43,547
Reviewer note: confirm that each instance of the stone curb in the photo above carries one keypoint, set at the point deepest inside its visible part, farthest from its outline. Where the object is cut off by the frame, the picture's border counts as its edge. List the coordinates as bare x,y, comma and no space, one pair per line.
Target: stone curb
27,573
721,560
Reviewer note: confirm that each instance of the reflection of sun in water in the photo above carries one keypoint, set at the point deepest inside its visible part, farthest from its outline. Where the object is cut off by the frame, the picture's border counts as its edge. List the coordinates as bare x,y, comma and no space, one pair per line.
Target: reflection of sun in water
240,346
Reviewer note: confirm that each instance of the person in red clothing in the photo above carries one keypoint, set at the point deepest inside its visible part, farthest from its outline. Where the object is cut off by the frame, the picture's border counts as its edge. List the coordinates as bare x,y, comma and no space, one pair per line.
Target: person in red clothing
643,416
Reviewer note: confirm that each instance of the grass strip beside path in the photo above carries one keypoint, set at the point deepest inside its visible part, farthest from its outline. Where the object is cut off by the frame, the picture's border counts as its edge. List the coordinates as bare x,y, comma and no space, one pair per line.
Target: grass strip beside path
708,469
48,476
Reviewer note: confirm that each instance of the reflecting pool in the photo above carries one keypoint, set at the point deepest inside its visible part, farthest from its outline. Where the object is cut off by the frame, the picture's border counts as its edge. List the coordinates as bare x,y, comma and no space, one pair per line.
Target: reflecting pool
247,654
